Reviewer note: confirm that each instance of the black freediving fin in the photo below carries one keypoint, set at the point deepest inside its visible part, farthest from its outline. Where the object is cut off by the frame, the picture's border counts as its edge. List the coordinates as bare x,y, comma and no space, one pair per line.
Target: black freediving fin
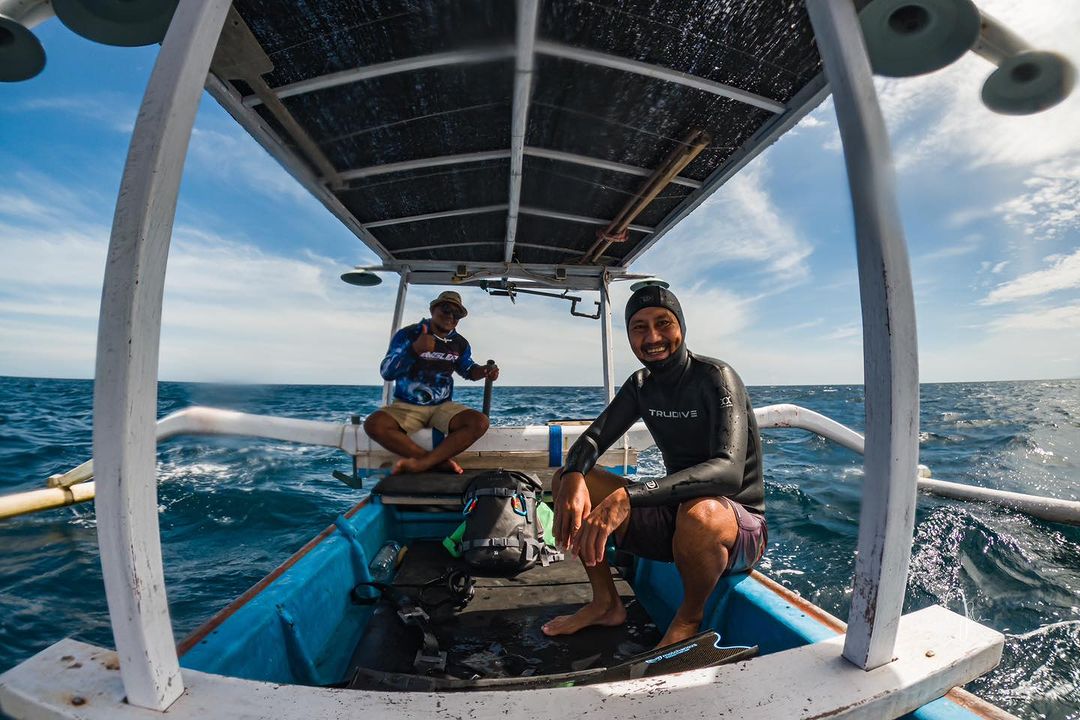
701,651
351,480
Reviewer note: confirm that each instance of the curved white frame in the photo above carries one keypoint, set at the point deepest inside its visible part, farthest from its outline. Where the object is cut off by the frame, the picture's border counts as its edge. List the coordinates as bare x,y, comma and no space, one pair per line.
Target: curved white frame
890,347
129,334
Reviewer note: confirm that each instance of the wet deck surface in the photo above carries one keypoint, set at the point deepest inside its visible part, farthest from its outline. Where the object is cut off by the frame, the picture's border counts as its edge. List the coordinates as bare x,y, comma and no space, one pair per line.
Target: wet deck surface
498,633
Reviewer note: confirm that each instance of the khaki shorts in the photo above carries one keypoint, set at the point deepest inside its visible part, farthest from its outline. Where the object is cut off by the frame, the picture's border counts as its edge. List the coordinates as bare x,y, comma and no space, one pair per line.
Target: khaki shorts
416,417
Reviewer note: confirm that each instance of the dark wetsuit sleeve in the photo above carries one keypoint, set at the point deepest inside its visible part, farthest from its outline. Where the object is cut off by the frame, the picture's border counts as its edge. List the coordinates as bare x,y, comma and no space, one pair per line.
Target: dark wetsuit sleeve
721,475
612,424
400,357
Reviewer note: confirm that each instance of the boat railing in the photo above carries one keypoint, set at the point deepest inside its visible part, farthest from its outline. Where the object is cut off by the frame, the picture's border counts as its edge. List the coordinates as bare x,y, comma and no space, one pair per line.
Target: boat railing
75,485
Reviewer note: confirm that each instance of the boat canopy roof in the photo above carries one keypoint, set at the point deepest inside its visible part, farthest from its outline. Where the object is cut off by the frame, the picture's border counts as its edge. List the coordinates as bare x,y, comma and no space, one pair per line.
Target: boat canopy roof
545,133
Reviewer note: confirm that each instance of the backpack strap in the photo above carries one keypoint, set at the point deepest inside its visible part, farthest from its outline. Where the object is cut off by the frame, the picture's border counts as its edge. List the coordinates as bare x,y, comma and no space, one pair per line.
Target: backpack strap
499,492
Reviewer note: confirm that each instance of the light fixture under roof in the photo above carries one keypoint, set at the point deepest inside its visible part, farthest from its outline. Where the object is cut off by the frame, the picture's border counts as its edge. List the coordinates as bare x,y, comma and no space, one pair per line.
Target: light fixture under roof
649,281
361,277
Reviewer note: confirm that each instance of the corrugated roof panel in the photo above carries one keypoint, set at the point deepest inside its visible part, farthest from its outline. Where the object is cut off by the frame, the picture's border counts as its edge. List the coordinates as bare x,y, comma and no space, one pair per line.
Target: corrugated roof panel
631,119
484,227
763,46
310,38
419,192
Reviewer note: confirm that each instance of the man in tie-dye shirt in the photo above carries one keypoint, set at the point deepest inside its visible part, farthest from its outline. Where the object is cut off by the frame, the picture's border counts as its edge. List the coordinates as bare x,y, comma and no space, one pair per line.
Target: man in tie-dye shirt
422,360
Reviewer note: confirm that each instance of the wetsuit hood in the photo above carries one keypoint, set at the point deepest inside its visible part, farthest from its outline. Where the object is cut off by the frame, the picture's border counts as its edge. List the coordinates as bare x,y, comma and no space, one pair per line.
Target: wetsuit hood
657,296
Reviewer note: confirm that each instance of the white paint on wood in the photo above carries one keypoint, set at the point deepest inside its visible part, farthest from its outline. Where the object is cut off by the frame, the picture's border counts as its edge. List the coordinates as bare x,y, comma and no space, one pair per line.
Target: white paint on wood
936,650
890,348
129,328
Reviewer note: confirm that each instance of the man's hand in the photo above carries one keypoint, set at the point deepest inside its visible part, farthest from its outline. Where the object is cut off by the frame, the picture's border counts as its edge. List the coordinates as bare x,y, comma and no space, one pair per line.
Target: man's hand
480,372
424,342
571,505
605,518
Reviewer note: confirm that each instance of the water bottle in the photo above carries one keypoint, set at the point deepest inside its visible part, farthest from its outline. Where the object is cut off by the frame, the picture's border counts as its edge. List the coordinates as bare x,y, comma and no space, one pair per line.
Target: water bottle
383,564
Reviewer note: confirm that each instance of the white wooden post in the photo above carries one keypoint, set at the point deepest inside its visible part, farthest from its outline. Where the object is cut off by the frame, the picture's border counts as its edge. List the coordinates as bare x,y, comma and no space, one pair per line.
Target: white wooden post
605,337
399,311
129,330
890,351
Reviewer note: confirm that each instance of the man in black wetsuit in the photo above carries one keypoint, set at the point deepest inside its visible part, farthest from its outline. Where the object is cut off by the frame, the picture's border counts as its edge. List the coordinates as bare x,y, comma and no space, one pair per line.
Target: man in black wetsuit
706,514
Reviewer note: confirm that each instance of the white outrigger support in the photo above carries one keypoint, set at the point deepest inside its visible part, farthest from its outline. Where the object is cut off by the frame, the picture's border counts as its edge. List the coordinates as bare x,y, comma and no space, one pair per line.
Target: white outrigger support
395,325
605,340
129,332
890,350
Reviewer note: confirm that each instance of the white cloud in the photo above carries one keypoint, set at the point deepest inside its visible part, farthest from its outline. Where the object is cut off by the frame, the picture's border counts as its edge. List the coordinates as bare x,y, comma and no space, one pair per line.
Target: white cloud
1066,317
115,111
741,223
233,157
1062,275
1051,206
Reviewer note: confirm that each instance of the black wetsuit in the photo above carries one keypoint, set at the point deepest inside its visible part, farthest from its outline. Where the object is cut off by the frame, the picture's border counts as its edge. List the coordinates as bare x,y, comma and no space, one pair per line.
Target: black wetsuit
700,416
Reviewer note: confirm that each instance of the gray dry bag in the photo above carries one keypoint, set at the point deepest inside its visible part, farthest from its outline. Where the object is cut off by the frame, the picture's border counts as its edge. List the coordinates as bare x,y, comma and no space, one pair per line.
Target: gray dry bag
503,534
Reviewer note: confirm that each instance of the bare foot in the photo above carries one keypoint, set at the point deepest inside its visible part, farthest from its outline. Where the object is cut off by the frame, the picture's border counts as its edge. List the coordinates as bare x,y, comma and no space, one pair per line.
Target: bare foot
679,630
592,614
408,465
450,466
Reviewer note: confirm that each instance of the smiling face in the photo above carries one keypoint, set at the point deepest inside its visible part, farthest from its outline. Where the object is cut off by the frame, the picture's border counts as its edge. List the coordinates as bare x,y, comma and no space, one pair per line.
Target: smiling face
444,317
654,334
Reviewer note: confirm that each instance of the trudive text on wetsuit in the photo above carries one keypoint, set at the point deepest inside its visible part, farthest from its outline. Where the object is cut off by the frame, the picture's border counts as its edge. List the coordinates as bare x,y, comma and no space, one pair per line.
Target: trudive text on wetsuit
701,419
426,379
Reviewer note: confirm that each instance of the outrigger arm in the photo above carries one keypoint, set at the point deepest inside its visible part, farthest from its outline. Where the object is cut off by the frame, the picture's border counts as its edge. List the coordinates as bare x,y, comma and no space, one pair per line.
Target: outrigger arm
125,379
395,325
890,348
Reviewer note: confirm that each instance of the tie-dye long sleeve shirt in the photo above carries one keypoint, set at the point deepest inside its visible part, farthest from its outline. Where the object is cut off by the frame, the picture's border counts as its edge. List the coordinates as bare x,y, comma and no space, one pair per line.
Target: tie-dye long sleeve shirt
426,379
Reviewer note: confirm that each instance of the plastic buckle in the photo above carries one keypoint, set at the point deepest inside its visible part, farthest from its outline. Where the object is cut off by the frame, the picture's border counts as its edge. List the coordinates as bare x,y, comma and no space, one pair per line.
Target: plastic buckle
413,616
425,663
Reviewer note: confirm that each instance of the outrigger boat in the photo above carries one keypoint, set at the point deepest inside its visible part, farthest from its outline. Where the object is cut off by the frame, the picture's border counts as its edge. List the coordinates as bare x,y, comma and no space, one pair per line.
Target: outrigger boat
445,136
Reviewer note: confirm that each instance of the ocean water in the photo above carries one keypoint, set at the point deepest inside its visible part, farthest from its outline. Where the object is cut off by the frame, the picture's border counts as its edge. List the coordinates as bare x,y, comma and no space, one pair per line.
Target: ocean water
233,509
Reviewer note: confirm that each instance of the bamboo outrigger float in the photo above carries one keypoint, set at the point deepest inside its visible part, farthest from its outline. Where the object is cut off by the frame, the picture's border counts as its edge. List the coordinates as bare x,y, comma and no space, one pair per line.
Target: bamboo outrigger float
271,651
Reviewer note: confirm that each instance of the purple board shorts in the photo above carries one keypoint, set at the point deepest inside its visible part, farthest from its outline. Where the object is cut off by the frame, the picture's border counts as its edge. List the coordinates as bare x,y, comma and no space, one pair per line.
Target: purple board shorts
652,529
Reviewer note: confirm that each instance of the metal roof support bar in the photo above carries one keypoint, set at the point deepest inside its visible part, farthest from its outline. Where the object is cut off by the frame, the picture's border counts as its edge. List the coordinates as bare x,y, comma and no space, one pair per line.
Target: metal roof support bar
478,243
658,72
539,212
523,73
890,352
424,163
465,158
603,164
608,356
125,379
434,216
454,57
395,325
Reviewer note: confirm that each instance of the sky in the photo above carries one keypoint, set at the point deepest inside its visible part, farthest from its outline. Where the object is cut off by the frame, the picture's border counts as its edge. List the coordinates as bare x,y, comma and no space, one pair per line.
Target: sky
765,268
